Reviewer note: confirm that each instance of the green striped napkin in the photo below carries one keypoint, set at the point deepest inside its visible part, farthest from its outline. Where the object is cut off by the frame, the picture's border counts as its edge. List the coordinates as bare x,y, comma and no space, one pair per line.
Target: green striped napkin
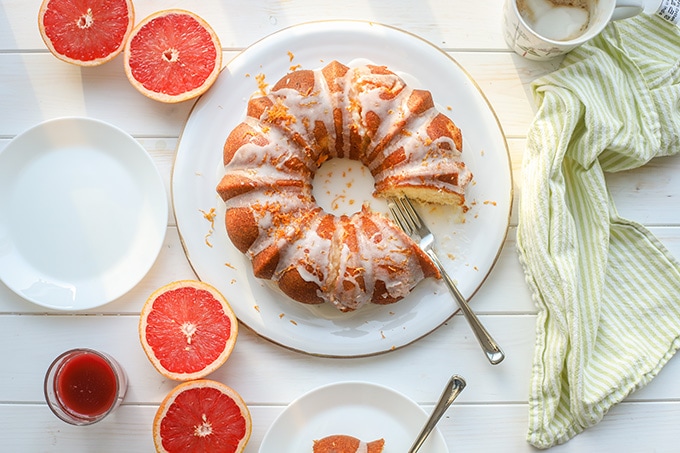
607,291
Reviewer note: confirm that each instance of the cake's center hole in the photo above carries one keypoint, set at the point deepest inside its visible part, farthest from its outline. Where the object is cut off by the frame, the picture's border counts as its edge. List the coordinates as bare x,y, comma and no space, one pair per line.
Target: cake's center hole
342,186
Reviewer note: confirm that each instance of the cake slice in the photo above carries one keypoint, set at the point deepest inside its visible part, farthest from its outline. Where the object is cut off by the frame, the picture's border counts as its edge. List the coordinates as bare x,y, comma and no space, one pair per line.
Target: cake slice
340,443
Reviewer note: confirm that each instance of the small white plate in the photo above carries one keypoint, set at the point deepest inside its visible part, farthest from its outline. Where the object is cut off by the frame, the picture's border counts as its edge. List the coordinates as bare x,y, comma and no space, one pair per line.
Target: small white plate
360,409
469,250
83,213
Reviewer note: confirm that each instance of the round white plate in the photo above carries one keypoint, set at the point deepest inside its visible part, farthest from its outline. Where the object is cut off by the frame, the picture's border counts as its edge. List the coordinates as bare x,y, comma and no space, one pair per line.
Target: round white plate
469,249
83,213
359,409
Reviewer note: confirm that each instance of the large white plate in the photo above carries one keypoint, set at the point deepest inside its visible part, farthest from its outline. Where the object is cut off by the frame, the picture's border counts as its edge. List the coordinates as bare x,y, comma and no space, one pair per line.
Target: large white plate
469,249
359,409
83,213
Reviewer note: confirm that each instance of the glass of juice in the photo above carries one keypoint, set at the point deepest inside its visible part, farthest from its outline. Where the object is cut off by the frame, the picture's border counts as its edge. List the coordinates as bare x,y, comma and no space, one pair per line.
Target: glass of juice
82,386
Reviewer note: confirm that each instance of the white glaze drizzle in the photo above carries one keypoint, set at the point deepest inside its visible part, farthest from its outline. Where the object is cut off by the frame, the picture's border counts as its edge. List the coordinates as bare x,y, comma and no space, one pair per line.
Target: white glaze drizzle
330,261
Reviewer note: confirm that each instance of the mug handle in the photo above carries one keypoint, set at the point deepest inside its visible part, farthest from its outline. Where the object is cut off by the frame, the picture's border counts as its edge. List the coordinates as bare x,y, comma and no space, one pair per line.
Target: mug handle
627,8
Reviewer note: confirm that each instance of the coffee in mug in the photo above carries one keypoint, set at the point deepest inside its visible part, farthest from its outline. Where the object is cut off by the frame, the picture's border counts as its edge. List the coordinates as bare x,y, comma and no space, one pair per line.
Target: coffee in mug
561,20
545,29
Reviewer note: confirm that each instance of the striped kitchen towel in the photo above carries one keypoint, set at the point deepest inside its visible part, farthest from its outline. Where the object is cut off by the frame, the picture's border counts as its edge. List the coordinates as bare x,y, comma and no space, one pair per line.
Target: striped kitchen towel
607,291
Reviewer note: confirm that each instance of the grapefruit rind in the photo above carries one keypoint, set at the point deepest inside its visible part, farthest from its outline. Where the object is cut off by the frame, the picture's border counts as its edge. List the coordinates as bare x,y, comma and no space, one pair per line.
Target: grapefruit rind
48,37
201,426
136,66
162,365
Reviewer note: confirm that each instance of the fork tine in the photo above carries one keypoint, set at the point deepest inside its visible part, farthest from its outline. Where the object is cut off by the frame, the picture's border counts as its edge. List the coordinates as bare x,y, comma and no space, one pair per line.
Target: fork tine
406,216
409,214
398,216
410,211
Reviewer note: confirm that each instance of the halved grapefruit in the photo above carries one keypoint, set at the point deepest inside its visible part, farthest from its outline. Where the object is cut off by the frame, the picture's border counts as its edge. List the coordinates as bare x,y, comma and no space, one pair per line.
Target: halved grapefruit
202,416
187,329
86,32
173,55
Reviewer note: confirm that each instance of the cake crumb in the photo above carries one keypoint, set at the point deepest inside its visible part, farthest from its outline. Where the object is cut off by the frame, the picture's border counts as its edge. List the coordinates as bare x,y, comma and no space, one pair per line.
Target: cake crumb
257,308
291,56
493,203
292,321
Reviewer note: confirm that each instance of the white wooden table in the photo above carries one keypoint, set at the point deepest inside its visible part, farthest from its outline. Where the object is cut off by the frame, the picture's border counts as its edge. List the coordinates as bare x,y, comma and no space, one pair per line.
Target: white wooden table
490,415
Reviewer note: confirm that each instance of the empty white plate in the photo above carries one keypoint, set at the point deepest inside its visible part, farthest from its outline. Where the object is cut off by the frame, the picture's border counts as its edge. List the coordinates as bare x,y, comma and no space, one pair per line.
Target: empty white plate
83,213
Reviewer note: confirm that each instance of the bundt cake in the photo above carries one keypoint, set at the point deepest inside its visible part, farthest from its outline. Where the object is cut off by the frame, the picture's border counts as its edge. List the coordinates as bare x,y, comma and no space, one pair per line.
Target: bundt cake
341,443
366,113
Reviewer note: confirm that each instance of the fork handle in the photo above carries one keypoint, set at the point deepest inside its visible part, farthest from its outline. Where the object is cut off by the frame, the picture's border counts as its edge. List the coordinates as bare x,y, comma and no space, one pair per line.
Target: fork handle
455,385
493,352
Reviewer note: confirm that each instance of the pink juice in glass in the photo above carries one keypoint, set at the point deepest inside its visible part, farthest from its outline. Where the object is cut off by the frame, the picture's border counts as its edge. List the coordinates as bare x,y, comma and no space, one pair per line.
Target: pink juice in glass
82,386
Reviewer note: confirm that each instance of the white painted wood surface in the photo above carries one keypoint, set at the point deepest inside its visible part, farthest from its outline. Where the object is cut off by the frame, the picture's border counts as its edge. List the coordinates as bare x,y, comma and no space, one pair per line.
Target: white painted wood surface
490,415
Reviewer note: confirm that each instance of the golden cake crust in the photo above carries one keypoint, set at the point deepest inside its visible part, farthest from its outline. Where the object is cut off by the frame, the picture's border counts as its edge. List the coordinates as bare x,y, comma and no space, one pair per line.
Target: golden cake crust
366,113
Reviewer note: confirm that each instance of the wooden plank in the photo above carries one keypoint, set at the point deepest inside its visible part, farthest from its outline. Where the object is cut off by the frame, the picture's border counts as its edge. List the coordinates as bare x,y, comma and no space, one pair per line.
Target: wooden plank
467,427
249,369
27,356
238,24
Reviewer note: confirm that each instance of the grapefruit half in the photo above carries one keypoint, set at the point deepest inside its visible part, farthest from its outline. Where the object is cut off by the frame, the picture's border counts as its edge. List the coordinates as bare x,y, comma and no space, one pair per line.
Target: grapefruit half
86,32
187,329
202,416
172,56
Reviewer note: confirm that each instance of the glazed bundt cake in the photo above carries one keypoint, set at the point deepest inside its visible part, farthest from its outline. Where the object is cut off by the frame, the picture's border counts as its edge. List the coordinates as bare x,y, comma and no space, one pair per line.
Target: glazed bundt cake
366,113
347,444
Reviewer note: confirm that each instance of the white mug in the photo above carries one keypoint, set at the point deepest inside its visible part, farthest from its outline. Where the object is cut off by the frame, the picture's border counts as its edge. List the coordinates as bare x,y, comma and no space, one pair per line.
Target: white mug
545,29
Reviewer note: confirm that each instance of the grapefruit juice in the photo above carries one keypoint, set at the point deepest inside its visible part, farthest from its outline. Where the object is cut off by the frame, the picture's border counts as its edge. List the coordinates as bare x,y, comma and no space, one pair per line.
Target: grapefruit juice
82,386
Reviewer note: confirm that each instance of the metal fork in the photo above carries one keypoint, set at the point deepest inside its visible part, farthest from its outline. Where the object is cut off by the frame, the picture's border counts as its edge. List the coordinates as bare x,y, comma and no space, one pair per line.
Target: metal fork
409,220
